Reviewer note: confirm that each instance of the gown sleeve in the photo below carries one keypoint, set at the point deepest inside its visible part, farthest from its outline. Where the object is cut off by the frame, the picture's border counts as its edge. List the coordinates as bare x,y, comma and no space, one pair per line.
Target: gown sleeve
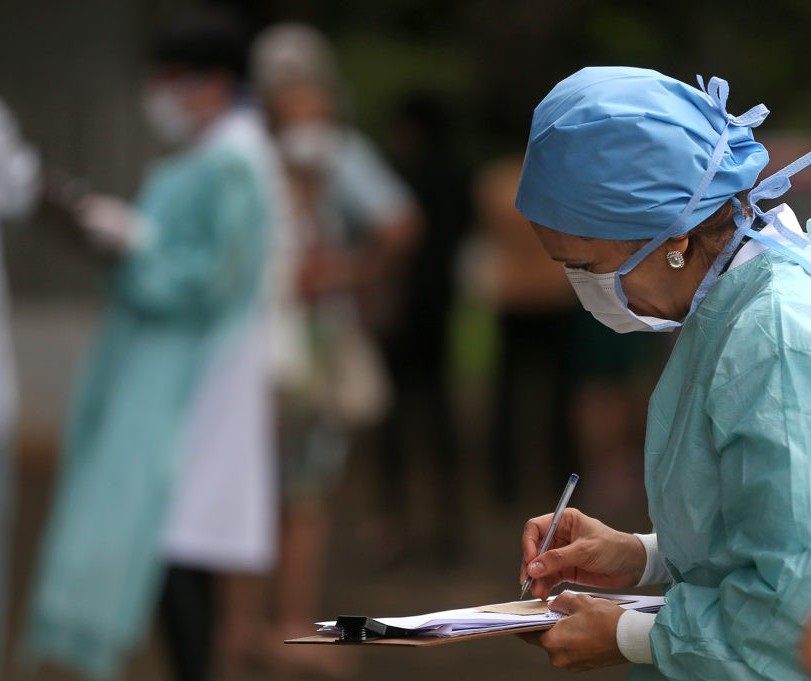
206,219
759,424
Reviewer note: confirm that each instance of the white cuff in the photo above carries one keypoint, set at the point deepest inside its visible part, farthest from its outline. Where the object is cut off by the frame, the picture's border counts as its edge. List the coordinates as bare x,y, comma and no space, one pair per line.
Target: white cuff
633,636
655,568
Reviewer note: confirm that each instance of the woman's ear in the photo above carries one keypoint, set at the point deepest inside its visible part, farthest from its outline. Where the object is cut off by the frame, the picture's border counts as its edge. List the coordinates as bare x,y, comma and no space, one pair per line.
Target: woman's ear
679,243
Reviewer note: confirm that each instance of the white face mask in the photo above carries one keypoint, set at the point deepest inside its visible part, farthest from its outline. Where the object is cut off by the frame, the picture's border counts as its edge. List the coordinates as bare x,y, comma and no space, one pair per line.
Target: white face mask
309,146
598,293
167,117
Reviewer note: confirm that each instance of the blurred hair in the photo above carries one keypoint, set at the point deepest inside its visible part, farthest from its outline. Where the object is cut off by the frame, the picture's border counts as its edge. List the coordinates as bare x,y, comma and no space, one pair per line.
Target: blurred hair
708,238
208,39
292,53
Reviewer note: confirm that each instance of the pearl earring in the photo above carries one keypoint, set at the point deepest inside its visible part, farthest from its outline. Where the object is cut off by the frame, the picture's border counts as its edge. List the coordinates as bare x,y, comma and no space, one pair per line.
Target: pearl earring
675,259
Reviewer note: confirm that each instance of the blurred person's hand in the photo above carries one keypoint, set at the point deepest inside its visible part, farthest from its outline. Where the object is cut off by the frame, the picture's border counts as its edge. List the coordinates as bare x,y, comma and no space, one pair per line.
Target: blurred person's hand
110,223
323,272
583,551
586,639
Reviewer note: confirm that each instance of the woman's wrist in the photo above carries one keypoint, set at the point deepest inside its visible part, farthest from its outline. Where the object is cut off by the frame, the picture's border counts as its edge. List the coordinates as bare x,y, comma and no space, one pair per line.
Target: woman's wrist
635,558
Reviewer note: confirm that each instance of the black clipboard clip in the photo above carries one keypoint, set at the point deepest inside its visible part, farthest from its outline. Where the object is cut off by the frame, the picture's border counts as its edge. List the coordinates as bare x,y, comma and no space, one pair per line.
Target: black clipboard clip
357,629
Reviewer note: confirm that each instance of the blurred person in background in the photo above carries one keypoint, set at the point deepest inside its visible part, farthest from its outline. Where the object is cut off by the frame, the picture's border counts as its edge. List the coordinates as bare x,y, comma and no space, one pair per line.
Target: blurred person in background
352,223
535,313
416,343
19,189
166,479
564,386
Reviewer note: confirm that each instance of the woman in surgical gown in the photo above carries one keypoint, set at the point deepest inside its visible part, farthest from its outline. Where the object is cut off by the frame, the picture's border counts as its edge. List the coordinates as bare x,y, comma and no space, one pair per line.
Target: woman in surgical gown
642,187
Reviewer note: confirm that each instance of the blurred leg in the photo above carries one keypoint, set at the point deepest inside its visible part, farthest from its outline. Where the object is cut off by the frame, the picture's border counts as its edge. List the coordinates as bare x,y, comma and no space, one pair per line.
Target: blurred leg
302,564
299,582
239,620
564,454
605,399
391,452
503,450
6,501
611,461
187,613
432,394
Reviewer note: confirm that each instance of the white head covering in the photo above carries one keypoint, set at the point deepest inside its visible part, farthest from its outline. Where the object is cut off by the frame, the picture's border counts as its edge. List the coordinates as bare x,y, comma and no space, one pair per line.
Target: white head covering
292,53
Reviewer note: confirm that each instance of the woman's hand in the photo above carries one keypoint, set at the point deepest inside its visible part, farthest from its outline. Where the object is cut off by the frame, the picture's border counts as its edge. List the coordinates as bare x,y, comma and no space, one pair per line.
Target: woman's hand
586,639
584,551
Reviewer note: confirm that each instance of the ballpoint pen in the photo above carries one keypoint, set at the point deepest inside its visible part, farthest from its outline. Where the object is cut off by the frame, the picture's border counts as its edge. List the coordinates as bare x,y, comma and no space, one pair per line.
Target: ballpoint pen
550,533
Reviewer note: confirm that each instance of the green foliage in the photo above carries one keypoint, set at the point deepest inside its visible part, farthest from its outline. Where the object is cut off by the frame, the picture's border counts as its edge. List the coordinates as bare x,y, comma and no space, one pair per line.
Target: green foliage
474,341
381,67
622,36
499,58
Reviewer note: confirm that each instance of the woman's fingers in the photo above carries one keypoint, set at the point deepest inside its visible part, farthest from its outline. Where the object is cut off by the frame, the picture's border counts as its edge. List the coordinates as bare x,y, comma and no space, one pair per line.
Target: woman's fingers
533,565
534,531
569,603
532,637
563,560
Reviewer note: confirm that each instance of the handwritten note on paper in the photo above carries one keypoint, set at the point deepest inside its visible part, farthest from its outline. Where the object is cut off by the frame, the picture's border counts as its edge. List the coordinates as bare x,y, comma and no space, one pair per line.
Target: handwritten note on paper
533,607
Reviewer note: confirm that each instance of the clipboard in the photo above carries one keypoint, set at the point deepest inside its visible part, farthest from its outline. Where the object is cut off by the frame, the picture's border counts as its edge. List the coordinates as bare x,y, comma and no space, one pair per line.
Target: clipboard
418,641
362,630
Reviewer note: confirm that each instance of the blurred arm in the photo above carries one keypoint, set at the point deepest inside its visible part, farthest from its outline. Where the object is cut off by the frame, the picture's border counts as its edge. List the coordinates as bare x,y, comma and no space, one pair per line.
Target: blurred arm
19,170
206,245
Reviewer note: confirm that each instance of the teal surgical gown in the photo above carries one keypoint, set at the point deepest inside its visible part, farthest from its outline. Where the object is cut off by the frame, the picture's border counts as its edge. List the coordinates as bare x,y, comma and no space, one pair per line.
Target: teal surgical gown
728,475
174,302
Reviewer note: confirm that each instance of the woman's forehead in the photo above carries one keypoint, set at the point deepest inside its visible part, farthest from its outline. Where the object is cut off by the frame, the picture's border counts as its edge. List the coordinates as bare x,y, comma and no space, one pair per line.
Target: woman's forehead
568,248
563,247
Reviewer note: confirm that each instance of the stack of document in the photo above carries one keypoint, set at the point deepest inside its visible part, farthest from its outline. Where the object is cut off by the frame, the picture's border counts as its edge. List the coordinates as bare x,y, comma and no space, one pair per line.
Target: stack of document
529,614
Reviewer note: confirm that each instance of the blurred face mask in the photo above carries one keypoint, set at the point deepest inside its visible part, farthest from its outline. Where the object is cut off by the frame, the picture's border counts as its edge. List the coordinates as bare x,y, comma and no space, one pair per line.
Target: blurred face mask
167,117
598,293
309,146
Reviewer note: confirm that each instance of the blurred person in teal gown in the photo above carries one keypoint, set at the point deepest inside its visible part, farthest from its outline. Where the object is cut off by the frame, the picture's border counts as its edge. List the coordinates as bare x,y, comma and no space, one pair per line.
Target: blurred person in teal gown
19,188
647,190
166,478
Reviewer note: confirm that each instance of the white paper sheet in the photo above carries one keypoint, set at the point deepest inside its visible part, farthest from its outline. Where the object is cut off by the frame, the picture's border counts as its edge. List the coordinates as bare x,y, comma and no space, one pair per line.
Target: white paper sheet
470,620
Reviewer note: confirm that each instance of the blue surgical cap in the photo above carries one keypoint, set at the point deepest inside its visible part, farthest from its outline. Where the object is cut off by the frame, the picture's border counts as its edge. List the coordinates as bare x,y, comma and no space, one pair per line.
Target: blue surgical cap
626,153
